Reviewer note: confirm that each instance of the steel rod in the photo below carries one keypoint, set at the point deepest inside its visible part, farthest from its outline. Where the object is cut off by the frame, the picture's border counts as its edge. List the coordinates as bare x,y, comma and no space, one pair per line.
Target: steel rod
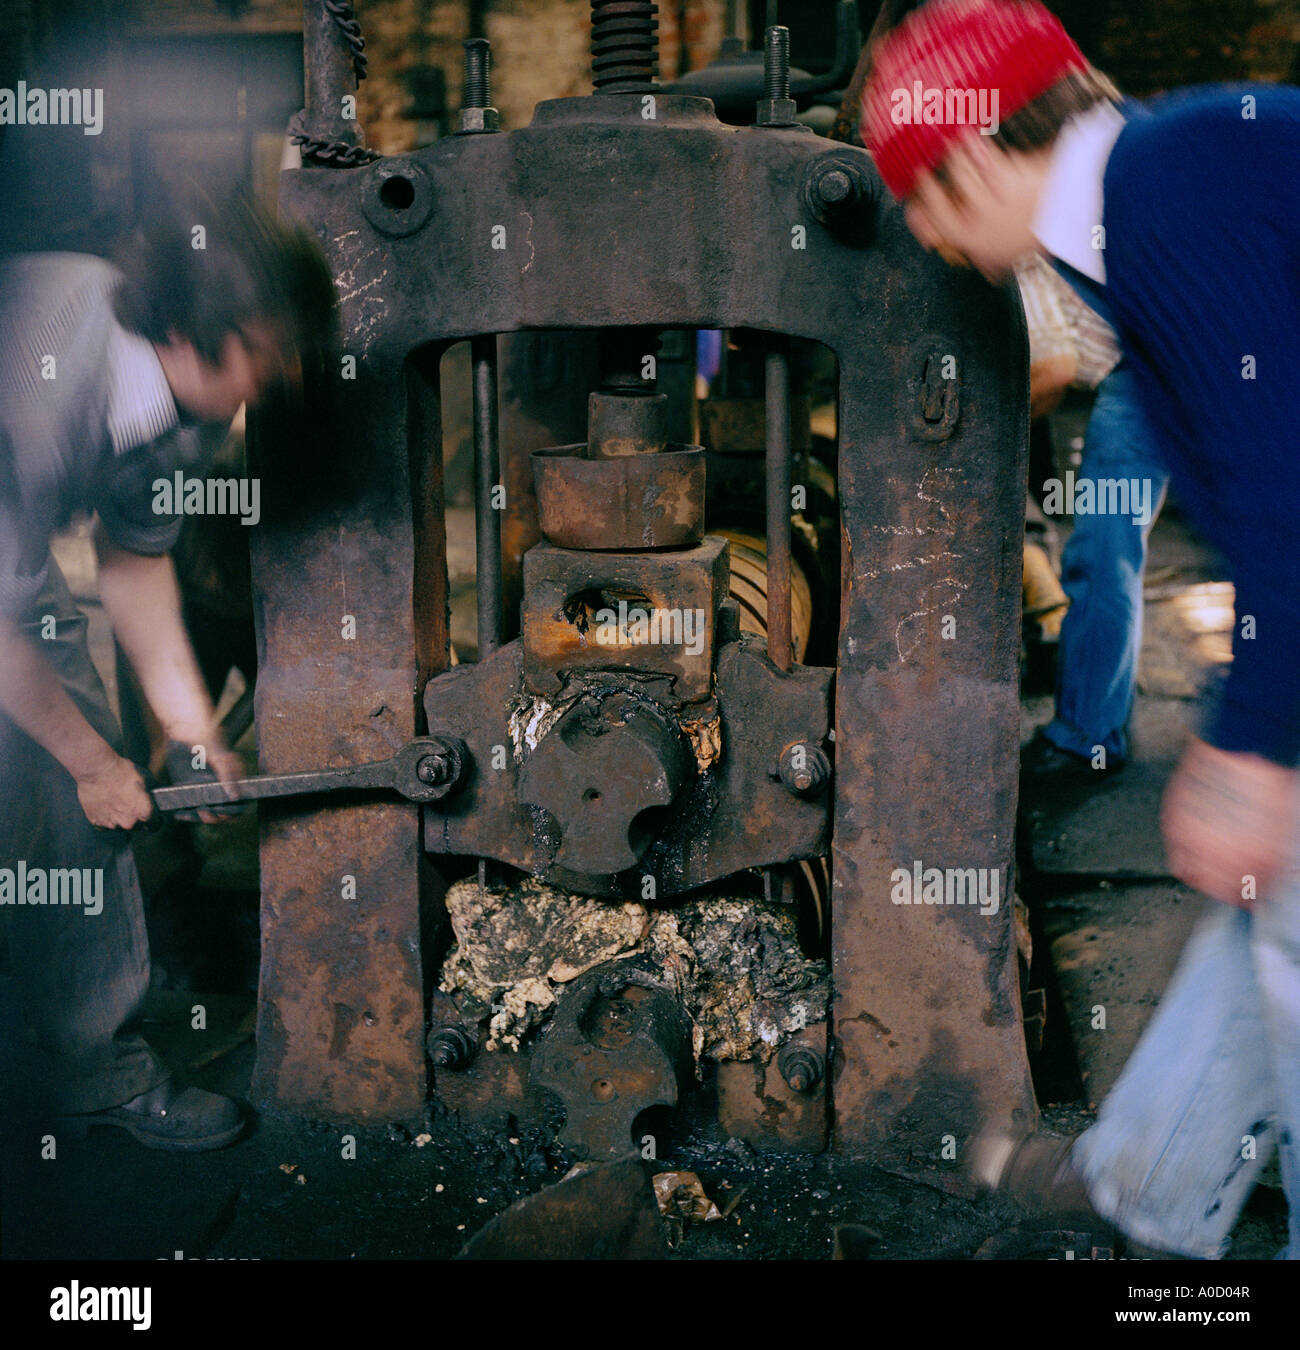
327,66
487,474
777,391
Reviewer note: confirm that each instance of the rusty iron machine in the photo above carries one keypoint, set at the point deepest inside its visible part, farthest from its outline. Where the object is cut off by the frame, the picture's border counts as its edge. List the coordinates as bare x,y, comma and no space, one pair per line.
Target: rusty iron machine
584,903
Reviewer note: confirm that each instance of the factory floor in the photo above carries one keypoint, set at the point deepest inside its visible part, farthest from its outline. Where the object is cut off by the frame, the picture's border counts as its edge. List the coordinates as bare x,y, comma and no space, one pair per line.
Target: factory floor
1107,923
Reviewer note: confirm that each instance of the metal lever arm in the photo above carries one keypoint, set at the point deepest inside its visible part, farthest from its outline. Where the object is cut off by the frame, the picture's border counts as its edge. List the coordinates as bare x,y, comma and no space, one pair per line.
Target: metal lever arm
424,771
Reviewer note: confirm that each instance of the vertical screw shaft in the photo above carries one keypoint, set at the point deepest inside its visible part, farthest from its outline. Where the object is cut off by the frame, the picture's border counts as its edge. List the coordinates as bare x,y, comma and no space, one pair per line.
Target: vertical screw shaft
624,46
776,62
478,66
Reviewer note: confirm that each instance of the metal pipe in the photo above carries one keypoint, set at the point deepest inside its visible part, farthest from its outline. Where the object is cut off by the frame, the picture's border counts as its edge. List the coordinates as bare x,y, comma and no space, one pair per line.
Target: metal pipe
777,392
327,66
487,473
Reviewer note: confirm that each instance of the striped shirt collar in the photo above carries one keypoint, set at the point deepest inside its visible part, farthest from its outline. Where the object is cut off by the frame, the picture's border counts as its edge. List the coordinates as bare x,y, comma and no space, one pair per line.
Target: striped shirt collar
140,403
1070,206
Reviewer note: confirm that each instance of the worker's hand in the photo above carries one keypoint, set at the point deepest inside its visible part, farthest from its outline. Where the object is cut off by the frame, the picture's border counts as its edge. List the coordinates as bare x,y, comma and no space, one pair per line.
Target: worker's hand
1229,822
218,764
113,795
226,765
1048,381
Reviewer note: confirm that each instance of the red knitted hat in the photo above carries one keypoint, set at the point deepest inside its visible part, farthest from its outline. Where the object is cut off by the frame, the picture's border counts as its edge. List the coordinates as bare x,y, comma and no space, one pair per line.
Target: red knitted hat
1015,49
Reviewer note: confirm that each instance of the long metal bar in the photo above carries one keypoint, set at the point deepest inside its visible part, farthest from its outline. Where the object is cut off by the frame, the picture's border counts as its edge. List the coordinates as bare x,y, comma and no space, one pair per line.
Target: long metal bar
777,390
424,769
487,476
188,796
327,67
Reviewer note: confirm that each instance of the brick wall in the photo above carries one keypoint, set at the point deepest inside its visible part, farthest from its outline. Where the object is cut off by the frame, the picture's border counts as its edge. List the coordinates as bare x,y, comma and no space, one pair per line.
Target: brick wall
540,48
1152,45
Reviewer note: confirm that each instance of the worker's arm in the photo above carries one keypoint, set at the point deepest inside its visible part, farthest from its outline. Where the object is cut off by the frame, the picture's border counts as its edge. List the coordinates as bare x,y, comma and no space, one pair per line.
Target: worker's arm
1227,820
110,788
1048,381
143,603
1211,317
1053,345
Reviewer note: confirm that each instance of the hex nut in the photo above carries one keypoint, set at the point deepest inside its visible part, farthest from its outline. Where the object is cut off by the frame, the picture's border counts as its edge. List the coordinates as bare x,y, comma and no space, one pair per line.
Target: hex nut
479,119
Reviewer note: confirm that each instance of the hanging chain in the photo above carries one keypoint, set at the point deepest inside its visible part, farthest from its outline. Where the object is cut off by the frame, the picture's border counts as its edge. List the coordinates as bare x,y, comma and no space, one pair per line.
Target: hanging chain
337,153
342,13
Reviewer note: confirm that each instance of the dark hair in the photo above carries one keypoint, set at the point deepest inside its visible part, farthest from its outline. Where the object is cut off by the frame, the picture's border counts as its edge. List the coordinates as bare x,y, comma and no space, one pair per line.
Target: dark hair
249,267
1039,122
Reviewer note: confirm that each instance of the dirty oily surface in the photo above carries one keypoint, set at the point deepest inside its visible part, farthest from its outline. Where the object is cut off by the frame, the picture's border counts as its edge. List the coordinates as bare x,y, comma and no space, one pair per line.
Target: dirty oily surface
735,963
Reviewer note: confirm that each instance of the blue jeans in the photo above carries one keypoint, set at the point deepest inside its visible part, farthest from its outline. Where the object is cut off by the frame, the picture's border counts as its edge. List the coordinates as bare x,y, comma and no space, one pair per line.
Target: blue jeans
1101,572
1212,1087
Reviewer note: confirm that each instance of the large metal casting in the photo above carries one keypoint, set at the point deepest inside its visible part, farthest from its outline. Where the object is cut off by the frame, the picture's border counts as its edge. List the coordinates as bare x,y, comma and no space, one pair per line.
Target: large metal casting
617,1048
635,209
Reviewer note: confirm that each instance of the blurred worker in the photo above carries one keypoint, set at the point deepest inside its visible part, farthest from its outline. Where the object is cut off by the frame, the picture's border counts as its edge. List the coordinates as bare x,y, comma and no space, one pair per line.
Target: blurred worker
113,382
1182,221
1071,345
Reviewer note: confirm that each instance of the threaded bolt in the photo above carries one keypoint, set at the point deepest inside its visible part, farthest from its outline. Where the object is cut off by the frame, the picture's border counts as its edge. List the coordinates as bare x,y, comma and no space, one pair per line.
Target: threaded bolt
776,62
834,187
776,108
434,770
451,1048
476,111
804,769
801,1067
478,68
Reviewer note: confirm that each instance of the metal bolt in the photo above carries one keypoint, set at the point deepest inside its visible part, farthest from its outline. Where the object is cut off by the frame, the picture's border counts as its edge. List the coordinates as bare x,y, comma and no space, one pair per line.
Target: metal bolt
804,768
801,1067
477,112
478,67
437,765
840,195
434,770
834,186
776,107
776,62
451,1047
479,119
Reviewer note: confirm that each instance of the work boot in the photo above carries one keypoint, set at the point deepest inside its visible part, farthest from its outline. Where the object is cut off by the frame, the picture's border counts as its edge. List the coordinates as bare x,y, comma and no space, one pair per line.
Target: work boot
166,1117
1055,782
1041,760
1038,1173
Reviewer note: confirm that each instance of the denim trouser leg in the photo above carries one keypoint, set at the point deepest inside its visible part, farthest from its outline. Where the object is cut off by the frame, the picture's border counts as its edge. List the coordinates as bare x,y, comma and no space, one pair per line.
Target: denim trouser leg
1168,1160
1101,572
78,978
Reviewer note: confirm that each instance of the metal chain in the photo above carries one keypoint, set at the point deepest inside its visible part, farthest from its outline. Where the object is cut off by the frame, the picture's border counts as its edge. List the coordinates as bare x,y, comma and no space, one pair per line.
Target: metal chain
336,153
342,13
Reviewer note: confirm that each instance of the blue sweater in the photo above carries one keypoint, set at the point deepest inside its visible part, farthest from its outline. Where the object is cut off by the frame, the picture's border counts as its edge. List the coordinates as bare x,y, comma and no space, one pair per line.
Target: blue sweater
1202,234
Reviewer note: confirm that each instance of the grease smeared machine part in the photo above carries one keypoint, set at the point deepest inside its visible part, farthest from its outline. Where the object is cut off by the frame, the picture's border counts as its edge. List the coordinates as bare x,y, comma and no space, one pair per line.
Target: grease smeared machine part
618,1046
629,744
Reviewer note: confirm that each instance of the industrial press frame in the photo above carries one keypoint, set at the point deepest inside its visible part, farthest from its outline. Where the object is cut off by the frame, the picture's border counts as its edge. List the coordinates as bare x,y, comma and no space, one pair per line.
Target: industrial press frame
632,212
